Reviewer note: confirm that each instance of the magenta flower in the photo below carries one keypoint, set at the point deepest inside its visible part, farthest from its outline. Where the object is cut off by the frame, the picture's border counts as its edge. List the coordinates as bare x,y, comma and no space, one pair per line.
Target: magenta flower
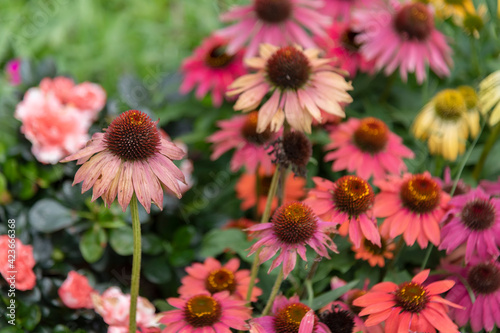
13,69
491,187
368,148
341,10
276,22
211,69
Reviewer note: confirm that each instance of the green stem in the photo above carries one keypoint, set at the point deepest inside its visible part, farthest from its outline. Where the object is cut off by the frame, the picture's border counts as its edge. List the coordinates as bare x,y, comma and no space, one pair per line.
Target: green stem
136,264
427,255
310,275
490,142
274,292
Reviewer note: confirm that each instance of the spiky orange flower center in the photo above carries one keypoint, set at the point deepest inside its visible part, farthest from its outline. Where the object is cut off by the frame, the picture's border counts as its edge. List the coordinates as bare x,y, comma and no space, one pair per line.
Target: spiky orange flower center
217,57
249,130
353,195
450,104
132,136
220,280
420,194
414,21
348,40
287,320
478,214
372,135
273,11
412,297
294,223
297,148
202,310
484,278
288,68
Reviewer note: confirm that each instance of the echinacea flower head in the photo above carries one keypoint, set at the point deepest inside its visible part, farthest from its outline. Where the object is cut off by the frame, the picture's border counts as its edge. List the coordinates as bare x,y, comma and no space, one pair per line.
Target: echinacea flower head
206,313
293,149
403,35
338,319
211,69
213,277
374,254
489,97
301,84
412,205
293,226
130,157
473,219
276,22
251,148
368,148
347,202
447,183
410,306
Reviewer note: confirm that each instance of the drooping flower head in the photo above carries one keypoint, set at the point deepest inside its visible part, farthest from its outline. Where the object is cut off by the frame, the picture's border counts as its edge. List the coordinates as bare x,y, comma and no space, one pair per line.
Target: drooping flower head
368,148
301,84
206,313
292,227
374,254
293,149
403,35
410,306
211,69
75,292
130,157
276,22
347,202
413,205
240,132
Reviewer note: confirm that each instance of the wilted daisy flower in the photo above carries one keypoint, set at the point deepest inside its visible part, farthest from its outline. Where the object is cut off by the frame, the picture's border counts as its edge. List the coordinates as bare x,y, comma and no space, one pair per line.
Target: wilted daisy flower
292,227
410,306
206,313
301,85
446,123
277,22
252,148
368,148
403,35
131,157
412,205
474,219
347,202
210,68
489,97
213,277
374,254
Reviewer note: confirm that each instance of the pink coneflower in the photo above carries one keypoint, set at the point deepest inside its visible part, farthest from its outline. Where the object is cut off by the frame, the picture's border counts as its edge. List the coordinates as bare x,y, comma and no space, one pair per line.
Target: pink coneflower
411,306
292,227
447,183
289,315
367,147
403,35
206,313
301,85
341,10
210,68
277,22
484,280
211,276
374,254
491,187
252,148
131,157
412,205
473,218
347,202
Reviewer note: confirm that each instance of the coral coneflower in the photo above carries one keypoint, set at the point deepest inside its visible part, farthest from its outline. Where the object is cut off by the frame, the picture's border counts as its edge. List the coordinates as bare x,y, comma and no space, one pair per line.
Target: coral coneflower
210,68
130,157
206,313
403,35
410,306
292,227
277,22
374,254
240,132
367,147
474,219
301,85
347,202
213,277
412,205
489,97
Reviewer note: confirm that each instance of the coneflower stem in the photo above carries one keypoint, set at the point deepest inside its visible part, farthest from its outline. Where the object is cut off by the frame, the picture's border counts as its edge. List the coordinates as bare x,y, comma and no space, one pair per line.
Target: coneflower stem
265,218
310,275
490,142
274,292
136,264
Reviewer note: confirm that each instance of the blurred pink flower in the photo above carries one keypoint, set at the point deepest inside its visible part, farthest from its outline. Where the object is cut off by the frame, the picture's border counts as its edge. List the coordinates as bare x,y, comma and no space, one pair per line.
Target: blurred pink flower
61,87
13,69
75,292
24,277
491,187
88,97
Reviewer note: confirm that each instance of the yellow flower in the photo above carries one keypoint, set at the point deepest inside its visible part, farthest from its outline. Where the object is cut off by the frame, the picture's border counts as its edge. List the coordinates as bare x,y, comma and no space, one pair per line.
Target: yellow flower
472,115
489,96
457,9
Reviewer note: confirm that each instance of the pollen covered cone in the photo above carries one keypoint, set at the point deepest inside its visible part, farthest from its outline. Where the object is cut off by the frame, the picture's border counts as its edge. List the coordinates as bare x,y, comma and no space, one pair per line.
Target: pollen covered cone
129,157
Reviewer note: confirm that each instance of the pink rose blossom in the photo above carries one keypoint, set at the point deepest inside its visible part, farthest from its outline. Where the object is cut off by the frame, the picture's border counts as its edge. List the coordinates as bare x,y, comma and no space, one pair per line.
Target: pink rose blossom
88,97
23,264
61,87
75,291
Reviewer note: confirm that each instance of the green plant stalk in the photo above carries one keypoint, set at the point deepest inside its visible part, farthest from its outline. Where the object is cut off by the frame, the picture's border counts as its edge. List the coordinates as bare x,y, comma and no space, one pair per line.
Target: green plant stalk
136,264
274,292
310,275
490,142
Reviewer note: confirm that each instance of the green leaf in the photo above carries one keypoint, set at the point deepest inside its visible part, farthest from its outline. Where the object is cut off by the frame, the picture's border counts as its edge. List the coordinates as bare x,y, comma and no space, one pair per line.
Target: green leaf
216,242
156,270
330,296
92,244
152,244
122,241
48,215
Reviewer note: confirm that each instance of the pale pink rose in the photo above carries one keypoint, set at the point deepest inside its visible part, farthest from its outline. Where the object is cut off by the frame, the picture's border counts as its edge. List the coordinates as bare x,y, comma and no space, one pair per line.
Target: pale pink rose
61,87
17,270
75,291
55,130
88,97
